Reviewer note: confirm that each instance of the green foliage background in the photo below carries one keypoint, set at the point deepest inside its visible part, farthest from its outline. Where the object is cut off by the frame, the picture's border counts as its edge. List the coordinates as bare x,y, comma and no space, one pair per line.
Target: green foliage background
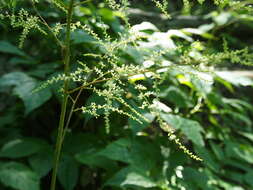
210,111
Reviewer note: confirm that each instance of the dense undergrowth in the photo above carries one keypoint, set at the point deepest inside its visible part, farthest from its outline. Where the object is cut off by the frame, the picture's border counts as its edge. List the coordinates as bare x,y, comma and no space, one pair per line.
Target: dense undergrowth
151,101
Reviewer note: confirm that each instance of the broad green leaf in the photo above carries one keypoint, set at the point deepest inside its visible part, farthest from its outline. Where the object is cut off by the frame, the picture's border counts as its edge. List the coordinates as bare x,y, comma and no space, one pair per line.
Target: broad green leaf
191,129
202,82
235,163
234,175
198,31
140,150
133,152
176,96
21,147
23,87
180,34
240,151
198,179
227,84
42,162
207,157
134,53
68,172
93,159
137,126
144,26
18,176
234,78
118,150
247,135
7,47
129,177
80,36
76,143
248,178
217,151
106,14
7,119
237,116
85,10
222,18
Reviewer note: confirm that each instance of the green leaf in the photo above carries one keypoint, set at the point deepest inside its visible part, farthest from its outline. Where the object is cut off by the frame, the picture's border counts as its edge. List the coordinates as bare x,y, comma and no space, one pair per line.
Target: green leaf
247,135
23,87
7,47
202,82
207,158
198,179
106,14
93,159
237,116
222,18
176,96
248,178
18,176
76,143
41,162
235,79
133,152
192,129
118,150
68,172
217,151
80,36
234,175
144,26
235,163
90,156
21,147
129,177
239,151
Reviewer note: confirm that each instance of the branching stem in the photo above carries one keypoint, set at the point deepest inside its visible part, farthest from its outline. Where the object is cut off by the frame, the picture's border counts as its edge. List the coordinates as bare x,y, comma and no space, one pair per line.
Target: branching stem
66,60
43,21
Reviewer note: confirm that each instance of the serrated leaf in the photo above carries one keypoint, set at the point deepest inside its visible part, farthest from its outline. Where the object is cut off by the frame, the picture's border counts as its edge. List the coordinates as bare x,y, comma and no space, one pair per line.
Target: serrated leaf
22,147
68,172
18,176
191,129
129,177
23,87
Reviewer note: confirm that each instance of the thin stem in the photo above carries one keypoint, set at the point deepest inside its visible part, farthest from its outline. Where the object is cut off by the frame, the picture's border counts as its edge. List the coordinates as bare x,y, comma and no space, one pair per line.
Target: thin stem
66,60
83,2
47,25
90,83
71,113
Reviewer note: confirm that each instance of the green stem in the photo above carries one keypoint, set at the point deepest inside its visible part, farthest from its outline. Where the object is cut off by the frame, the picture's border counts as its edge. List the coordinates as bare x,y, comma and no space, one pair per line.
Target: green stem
66,60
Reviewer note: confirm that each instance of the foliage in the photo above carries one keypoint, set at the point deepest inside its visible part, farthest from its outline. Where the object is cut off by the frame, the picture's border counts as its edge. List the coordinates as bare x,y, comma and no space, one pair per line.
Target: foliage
147,107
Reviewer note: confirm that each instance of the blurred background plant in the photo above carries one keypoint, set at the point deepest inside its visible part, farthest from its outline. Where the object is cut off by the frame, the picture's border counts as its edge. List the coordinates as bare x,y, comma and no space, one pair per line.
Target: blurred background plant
182,64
